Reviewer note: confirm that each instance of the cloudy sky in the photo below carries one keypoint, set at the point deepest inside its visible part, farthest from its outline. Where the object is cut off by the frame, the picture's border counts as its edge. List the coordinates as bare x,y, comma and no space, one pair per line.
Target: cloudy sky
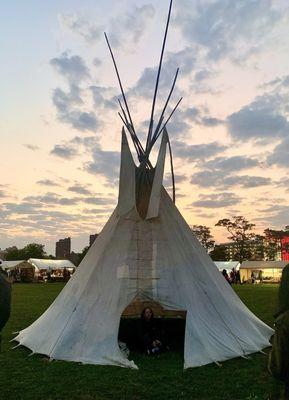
60,133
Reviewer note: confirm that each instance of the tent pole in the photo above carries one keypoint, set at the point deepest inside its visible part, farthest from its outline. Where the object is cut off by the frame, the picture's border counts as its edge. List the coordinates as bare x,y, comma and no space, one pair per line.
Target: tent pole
131,131
165,106
119,81
135,144
169,117
158,76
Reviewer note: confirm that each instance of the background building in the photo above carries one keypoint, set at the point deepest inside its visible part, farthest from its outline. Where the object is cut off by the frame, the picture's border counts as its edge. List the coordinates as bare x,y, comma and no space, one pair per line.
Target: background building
285,248
63,248
253,250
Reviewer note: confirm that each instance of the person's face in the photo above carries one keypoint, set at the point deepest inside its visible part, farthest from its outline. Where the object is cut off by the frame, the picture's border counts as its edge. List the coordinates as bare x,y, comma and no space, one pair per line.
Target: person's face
147,314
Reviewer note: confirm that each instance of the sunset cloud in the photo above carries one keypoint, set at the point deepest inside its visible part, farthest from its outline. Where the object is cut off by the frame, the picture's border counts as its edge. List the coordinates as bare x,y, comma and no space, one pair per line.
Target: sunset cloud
229,135
224,28
73,68
63,151
216,200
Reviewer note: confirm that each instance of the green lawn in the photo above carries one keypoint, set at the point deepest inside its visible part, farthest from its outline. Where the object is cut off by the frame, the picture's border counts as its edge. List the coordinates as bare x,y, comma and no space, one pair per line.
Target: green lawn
24,377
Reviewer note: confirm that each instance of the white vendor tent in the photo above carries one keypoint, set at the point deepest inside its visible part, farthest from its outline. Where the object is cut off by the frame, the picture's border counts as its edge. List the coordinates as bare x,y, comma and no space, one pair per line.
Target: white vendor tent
50,265
267,271
9,265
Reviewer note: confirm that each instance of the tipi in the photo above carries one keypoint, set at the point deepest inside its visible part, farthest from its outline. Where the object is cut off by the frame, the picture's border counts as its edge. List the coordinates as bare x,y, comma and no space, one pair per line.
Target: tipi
145,251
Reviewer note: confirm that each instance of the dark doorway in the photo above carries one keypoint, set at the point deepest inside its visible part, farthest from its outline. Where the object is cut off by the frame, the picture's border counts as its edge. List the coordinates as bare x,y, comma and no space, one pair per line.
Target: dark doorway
171,324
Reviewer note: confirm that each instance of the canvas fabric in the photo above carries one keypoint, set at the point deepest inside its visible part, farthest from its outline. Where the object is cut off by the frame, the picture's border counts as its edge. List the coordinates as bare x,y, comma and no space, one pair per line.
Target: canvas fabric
159,259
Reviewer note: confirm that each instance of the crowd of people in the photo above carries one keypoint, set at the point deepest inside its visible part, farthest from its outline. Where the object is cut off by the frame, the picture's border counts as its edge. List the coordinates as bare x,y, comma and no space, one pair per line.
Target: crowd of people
233,277
17,275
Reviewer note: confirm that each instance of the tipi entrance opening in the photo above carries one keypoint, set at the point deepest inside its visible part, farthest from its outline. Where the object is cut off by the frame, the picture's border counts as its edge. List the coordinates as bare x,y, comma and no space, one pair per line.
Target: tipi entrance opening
172,323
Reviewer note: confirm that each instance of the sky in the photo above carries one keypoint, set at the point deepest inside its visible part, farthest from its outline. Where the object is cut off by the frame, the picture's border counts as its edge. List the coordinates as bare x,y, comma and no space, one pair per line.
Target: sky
60,132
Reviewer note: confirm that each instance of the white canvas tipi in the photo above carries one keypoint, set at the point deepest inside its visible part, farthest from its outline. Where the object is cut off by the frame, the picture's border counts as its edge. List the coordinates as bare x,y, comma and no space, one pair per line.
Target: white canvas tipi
145,251
158,258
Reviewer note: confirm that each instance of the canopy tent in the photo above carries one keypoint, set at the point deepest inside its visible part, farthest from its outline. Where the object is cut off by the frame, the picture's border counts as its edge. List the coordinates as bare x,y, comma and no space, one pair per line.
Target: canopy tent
145,252
49,265
266,271
38,264
263,264
9,265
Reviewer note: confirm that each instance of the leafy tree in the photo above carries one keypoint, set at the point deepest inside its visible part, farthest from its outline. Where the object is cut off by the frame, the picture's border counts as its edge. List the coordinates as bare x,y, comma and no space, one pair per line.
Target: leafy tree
34,250
273,243
31,250
258,248
13,253
239,229
83,253
220,253
204,236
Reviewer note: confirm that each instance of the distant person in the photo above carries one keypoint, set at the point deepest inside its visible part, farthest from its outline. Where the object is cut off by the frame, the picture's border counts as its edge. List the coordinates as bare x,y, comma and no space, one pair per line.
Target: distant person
5,300
66,274
260,276
149,333
233,275
226,276
279,356
238,277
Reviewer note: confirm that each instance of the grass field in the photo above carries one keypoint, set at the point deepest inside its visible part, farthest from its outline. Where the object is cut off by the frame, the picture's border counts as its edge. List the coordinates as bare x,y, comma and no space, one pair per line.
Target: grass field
24,377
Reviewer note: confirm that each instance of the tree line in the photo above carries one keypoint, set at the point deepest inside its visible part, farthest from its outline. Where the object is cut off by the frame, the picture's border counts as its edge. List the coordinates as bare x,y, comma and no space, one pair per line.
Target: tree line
37,250
244,243
31,250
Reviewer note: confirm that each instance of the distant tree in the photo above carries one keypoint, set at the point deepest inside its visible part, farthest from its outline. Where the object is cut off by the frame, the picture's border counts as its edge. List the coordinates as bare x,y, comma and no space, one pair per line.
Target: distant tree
34,250
219,253
239,229
83,253
31,250
204,236
257,244
74,258
13,254
273,243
